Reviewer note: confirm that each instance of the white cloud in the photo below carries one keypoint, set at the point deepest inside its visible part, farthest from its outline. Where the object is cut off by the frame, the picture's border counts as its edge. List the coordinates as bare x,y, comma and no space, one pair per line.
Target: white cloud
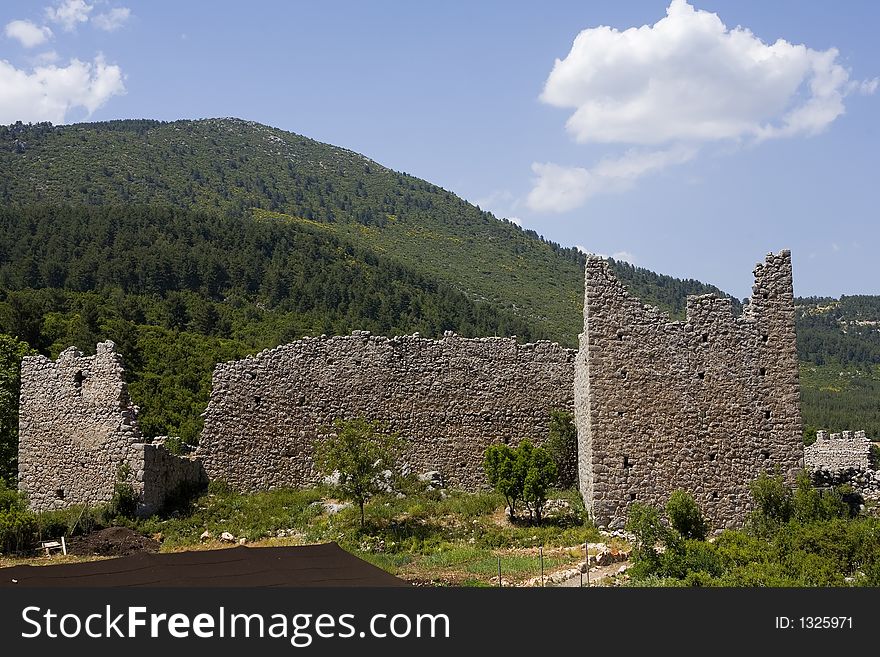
688,77
48,93
864,87
27,33
560,189
69,13
48,57
113,19
624,256
683,82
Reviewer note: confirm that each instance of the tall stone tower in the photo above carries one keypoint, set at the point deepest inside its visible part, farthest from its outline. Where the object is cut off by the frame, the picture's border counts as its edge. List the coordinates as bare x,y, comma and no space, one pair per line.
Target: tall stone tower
703,405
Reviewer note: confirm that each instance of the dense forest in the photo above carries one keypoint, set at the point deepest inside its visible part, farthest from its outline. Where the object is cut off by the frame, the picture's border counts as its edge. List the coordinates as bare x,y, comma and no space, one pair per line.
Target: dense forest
194,242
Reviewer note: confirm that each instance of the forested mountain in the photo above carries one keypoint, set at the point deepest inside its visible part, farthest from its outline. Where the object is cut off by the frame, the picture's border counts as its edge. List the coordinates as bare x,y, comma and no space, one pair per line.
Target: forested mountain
839,348
194,242
228,167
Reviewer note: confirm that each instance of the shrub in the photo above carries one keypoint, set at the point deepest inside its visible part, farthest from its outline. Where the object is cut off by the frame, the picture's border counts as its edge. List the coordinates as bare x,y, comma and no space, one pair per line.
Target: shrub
773,503
124,501
685,516
645,524
17,524
562,446
503,474
540,475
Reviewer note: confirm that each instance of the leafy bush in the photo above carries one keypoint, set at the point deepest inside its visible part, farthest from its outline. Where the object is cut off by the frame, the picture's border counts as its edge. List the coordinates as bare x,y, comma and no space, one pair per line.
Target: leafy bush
773,503
562,446
124,502
645,523
541,474
17,524
685,516
503,474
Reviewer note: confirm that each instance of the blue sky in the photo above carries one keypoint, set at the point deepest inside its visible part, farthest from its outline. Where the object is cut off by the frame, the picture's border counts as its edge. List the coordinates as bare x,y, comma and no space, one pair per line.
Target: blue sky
692,145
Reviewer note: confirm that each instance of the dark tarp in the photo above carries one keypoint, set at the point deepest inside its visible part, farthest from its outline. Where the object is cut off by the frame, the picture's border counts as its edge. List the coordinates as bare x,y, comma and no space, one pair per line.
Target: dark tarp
306,565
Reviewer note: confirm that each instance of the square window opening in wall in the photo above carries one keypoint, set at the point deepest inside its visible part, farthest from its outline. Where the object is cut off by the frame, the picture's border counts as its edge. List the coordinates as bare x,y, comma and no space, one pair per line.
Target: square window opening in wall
714,494
713,456
705,337
626,462
765,454
257,400
701,375
619,413
623,374
764,338
632,497
78,379
762,371
767,415
59,493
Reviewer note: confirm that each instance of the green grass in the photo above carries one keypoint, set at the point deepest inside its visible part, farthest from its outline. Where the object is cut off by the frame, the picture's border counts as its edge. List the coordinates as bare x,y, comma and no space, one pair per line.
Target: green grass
457,538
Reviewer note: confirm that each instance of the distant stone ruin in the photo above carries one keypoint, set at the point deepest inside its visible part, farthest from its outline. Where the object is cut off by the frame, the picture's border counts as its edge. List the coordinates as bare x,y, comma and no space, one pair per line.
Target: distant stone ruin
838,451
78,432
843,459
702,405
449,399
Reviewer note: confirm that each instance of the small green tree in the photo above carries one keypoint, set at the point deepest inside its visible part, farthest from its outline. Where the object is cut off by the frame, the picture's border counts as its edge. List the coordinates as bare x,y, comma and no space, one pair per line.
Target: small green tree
645,523
686,517
809,504
11,353
562,446
17,523
525,473
773,504
540,475
124,501
504,474
360,451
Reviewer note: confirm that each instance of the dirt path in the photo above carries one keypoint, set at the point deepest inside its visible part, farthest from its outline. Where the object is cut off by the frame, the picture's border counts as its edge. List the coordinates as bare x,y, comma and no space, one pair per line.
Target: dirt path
598,575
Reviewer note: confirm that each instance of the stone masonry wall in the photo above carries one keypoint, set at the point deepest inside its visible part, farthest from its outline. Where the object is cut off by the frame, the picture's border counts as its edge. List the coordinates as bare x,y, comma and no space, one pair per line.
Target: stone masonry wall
702,405
448,398
837,452
77,426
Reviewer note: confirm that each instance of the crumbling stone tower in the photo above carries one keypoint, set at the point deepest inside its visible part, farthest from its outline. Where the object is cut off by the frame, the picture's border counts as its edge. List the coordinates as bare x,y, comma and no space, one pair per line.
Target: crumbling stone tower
702,405
77,426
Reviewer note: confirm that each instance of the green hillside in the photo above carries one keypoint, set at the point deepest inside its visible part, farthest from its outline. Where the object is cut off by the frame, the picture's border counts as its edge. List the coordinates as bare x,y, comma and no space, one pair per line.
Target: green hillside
227,166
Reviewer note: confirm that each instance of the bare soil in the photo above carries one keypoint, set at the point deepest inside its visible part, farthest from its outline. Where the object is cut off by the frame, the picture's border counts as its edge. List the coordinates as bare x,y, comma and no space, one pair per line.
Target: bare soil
112,542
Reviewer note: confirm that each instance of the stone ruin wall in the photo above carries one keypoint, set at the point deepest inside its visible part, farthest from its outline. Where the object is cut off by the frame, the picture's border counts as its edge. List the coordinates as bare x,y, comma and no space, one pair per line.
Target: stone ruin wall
448,398
838,452
77,426
702,405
